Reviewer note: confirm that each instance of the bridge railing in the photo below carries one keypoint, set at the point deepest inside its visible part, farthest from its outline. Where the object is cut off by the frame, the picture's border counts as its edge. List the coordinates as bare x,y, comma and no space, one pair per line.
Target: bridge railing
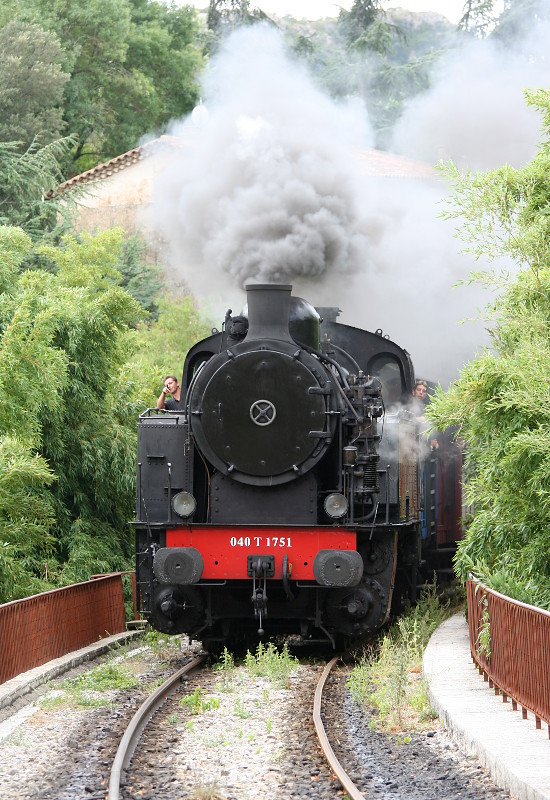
45,626
510,643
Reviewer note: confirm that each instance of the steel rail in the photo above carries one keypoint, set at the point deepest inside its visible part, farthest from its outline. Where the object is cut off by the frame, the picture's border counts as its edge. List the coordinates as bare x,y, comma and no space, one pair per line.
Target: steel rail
345,780
138,722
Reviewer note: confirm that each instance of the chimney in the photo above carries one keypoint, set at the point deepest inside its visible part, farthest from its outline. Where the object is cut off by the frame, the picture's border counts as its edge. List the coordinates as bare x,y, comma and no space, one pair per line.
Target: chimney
268,311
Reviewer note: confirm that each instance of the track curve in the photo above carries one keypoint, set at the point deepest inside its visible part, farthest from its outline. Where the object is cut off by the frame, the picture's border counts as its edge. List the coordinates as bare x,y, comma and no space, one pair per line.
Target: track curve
335,765
138,722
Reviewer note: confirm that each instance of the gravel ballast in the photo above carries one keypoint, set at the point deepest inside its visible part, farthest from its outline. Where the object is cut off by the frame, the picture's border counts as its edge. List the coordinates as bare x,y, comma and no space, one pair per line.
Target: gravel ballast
250,740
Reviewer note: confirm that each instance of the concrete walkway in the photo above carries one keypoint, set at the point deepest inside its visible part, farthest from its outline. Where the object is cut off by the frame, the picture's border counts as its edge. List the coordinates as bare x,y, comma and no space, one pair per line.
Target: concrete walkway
17,687
516,754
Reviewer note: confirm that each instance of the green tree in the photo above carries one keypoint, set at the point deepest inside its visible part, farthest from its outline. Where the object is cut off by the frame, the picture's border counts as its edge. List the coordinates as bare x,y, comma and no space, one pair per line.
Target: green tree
94,37
478,17
132,64
31,84
501,400
67,427
163,344
26,505
514,20
140,279
25,180
78,363
163,62
26,518
357,22
388,59
225,15
518,17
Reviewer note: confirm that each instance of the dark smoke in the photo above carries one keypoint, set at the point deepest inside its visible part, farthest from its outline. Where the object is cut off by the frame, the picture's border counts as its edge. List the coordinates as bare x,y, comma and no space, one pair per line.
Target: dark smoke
267,192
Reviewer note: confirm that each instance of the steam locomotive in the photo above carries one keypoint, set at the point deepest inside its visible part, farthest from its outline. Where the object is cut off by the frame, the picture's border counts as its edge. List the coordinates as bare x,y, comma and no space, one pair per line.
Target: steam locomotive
285,495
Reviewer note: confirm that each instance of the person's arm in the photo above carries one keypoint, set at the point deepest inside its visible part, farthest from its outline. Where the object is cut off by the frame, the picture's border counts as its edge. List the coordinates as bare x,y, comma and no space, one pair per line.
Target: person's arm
160,401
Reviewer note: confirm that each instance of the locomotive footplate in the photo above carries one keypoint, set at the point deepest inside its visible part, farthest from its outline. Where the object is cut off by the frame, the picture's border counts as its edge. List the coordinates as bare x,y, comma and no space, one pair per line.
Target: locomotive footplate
260,568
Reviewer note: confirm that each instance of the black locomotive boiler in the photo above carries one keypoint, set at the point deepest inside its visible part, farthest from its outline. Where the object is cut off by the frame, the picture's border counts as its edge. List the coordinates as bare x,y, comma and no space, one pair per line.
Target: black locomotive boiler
284,495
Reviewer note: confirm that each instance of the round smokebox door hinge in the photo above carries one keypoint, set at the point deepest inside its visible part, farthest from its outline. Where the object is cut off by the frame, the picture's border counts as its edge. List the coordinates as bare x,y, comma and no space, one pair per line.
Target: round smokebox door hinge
262,412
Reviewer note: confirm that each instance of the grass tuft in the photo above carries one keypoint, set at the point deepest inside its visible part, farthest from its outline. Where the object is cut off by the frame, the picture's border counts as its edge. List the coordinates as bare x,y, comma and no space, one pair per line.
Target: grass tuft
388,676
226,668
198,703
207,791
268,662
90,690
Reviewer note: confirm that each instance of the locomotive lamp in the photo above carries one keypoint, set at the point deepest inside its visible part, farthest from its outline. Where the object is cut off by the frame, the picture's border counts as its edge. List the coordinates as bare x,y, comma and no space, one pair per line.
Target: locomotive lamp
336,505
184,504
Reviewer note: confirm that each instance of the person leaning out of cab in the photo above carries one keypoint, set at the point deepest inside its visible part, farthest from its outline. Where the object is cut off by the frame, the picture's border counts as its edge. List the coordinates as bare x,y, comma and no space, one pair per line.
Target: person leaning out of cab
171,387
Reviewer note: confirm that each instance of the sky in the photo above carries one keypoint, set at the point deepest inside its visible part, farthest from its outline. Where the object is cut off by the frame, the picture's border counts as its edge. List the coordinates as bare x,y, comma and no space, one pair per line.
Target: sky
315,9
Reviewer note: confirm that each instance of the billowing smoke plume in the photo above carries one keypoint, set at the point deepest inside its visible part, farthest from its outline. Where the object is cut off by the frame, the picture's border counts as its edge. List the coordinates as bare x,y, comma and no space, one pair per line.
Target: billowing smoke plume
266,192
475,113
270,189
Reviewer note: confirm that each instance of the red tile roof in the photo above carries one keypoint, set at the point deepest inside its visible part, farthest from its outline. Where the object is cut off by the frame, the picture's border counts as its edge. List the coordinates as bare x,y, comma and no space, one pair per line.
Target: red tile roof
373,162
390,165
118,163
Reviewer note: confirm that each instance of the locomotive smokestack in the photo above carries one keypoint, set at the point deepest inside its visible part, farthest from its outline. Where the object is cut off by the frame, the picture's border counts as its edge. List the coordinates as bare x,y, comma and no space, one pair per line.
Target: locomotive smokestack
268,311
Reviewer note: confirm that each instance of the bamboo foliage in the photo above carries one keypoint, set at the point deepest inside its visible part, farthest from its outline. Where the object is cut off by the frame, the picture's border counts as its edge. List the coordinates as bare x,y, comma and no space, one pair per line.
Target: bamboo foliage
66,461
501,402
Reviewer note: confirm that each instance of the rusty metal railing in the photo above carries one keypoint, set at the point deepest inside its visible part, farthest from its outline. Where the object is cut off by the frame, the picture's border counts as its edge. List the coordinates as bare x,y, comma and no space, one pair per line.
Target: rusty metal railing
46,626
510,644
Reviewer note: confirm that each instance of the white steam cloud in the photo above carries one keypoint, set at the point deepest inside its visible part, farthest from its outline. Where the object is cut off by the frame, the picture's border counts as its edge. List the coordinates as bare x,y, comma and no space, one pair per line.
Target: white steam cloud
270,189
475,113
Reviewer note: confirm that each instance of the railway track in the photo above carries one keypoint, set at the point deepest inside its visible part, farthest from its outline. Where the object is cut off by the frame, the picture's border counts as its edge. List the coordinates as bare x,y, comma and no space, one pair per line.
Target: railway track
345,780
247,737
148,709
138,722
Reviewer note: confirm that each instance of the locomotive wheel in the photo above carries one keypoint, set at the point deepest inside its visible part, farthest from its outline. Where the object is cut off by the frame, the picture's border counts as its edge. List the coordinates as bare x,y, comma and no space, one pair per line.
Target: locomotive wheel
176,609
359,611
377,555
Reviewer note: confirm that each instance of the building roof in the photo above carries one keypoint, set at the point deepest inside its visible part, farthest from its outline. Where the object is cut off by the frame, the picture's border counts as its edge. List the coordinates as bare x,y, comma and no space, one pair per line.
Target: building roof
391,165
118,163
373,162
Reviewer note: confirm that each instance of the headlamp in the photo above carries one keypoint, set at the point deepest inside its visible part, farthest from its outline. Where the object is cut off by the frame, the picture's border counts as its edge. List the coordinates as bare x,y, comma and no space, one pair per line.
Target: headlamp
336,505
184,504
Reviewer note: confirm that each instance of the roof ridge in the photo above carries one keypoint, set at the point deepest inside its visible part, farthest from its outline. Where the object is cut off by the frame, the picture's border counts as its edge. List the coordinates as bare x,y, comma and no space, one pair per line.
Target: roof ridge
402,166
116,164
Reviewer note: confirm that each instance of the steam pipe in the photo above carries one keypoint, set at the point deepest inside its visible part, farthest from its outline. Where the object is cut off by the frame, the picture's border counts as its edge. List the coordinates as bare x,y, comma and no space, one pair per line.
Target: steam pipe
387,494
140,495
169,492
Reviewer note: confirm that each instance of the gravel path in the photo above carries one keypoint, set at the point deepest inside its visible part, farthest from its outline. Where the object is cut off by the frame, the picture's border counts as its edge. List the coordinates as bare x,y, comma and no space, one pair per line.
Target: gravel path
250,740
66,752
259,742
429,767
